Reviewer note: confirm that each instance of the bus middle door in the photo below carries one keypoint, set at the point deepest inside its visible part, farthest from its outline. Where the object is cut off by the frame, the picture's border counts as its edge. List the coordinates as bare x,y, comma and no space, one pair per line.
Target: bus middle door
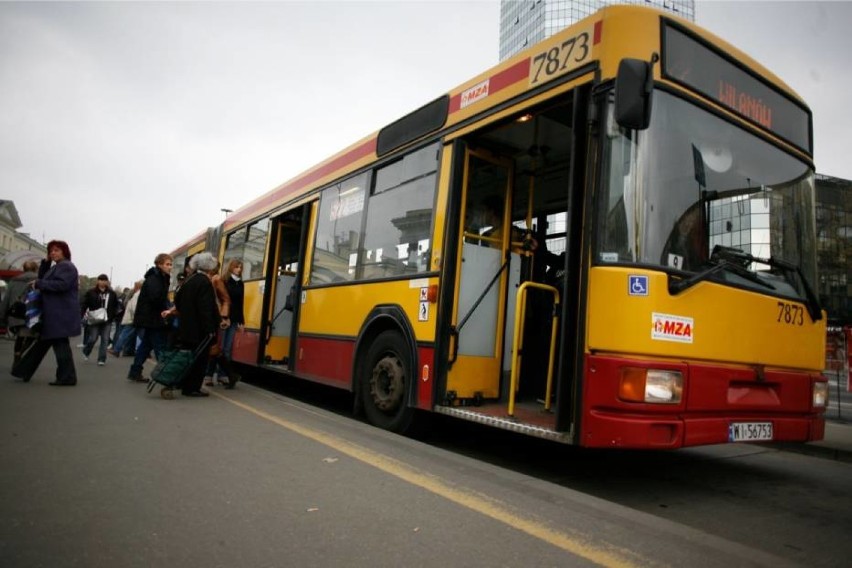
480,362
287,263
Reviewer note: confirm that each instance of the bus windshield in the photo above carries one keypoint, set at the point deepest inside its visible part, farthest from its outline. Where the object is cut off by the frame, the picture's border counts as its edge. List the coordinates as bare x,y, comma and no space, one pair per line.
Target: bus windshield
692,181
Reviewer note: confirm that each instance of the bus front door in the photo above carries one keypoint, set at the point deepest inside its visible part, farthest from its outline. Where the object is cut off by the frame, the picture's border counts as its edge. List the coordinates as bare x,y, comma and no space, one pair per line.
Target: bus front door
486,269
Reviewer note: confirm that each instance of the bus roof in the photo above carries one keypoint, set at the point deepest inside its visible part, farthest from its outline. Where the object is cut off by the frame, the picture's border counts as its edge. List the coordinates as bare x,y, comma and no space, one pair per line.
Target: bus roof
508,79
194,241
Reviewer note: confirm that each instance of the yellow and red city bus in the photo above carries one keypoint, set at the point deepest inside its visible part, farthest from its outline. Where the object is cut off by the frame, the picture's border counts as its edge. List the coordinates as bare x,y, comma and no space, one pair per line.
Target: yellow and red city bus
607,240
195,245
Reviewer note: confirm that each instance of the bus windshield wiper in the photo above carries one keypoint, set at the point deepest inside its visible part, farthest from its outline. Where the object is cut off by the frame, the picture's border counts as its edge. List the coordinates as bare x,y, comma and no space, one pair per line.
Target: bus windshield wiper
718,265
812,300
737,261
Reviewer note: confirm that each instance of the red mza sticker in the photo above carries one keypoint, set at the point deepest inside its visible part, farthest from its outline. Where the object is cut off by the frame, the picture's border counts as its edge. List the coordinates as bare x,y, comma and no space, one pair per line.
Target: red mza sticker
475,93
665,327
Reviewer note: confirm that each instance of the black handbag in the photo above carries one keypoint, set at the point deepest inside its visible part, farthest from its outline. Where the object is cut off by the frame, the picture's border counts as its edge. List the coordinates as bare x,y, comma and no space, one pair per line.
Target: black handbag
25,365
18,309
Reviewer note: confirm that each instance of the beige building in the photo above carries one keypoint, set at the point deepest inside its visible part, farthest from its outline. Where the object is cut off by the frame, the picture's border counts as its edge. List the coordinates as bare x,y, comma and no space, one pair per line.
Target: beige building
15,247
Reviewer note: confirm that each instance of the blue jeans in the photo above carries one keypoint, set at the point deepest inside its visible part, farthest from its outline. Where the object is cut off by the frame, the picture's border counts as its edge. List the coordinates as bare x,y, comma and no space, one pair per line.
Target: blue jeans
126,339
228,340
151,338
95,332
215,365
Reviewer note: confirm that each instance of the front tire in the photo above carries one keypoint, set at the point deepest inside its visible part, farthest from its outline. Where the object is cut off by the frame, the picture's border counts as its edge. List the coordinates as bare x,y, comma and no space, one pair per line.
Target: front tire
385,383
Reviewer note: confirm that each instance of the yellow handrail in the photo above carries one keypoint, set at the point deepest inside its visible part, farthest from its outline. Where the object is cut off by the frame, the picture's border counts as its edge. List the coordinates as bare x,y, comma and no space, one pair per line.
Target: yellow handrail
518,342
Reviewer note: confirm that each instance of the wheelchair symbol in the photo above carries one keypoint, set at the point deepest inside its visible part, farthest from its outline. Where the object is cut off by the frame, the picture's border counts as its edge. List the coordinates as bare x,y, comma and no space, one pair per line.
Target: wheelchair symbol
637,285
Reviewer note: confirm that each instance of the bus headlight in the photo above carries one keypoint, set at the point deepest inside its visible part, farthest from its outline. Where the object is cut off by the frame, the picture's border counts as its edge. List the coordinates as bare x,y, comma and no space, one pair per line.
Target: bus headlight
820,394
654,386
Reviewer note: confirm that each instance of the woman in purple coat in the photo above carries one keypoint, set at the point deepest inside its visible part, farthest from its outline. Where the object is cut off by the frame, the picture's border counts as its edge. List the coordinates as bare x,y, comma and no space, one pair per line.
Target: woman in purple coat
60,316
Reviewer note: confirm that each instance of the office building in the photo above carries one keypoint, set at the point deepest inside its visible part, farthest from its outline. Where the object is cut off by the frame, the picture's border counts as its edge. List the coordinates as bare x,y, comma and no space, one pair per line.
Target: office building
834,247
526,22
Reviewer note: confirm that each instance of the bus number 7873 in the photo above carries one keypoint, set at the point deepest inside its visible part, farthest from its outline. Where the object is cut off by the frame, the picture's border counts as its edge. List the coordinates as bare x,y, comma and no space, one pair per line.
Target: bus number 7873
558,59
791,314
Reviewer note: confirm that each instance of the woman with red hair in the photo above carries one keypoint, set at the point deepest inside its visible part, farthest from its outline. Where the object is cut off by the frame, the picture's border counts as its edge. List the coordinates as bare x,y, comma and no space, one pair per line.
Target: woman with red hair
60,317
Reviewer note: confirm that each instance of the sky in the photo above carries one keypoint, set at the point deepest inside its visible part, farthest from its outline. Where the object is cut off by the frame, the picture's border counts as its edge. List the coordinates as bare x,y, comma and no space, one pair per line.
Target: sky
126,128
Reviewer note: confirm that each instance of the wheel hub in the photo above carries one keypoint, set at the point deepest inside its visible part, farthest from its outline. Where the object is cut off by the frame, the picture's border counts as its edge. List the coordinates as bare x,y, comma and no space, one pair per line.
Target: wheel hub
387,383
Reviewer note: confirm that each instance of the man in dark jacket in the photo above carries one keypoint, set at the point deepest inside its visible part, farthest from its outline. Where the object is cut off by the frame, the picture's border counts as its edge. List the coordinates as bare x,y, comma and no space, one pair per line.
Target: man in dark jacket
151,310
99,297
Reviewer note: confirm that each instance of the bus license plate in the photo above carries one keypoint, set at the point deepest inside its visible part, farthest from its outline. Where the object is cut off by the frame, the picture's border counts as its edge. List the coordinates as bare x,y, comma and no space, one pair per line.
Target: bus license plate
749,431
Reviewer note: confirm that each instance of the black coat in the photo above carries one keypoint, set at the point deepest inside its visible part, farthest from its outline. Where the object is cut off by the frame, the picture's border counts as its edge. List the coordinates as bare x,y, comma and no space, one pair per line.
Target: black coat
153,299
60,306
94,299
236,293
198,313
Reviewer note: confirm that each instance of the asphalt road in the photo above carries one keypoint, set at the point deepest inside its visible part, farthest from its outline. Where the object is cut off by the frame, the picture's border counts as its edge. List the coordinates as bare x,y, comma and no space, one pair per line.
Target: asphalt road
105,474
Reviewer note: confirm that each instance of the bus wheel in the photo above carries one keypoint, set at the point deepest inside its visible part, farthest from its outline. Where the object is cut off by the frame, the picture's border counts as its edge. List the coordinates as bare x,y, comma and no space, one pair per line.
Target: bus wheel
385,383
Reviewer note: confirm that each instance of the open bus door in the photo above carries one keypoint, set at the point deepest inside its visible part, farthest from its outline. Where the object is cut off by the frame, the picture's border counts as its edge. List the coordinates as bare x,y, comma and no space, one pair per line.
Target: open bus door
486,270
282,298
515,348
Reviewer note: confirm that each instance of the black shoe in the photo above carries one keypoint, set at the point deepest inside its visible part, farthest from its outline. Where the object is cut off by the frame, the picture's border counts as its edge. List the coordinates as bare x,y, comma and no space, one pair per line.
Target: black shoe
233,379
19,376
195,393
62,384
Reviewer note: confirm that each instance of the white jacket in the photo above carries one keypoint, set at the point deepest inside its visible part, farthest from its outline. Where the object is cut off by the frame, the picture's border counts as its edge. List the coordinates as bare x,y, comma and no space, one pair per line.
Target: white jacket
129,310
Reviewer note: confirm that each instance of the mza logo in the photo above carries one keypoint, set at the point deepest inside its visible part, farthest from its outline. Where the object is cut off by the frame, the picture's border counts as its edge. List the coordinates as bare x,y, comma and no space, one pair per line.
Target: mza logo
475,93
665,327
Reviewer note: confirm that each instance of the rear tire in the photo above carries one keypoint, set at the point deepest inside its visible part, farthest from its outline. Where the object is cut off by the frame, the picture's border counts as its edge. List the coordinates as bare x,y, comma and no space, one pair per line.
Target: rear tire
385,382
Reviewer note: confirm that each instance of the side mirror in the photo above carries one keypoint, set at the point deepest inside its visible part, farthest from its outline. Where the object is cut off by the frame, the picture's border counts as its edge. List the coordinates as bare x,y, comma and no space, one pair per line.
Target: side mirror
633,88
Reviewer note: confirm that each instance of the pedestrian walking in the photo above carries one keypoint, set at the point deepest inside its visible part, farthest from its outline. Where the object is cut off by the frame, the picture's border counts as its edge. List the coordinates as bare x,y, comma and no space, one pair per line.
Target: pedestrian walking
151,310
15,323
198,319
123,298
60,316
125,344
101,305
233,322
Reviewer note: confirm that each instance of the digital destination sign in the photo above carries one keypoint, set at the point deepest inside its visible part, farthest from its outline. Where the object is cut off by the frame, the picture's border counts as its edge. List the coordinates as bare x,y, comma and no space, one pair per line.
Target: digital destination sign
698,67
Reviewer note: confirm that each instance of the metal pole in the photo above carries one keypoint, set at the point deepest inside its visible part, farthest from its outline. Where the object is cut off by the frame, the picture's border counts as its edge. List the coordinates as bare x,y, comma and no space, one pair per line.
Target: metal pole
842,367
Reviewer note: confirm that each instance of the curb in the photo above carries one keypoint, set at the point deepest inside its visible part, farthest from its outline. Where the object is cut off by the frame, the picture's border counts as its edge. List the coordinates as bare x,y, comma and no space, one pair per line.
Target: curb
811,449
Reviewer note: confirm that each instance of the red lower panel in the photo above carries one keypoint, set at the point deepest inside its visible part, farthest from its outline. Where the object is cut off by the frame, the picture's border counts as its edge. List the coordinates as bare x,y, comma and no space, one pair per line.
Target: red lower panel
326,360
605,430
425,377
714,397
715,430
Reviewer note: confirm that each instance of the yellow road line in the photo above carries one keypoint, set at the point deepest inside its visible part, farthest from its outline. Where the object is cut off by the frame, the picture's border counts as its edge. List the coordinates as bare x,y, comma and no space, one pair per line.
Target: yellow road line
475,502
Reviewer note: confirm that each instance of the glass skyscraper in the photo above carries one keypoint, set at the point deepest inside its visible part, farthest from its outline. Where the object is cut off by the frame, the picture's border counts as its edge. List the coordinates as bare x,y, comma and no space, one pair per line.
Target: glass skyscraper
525,22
